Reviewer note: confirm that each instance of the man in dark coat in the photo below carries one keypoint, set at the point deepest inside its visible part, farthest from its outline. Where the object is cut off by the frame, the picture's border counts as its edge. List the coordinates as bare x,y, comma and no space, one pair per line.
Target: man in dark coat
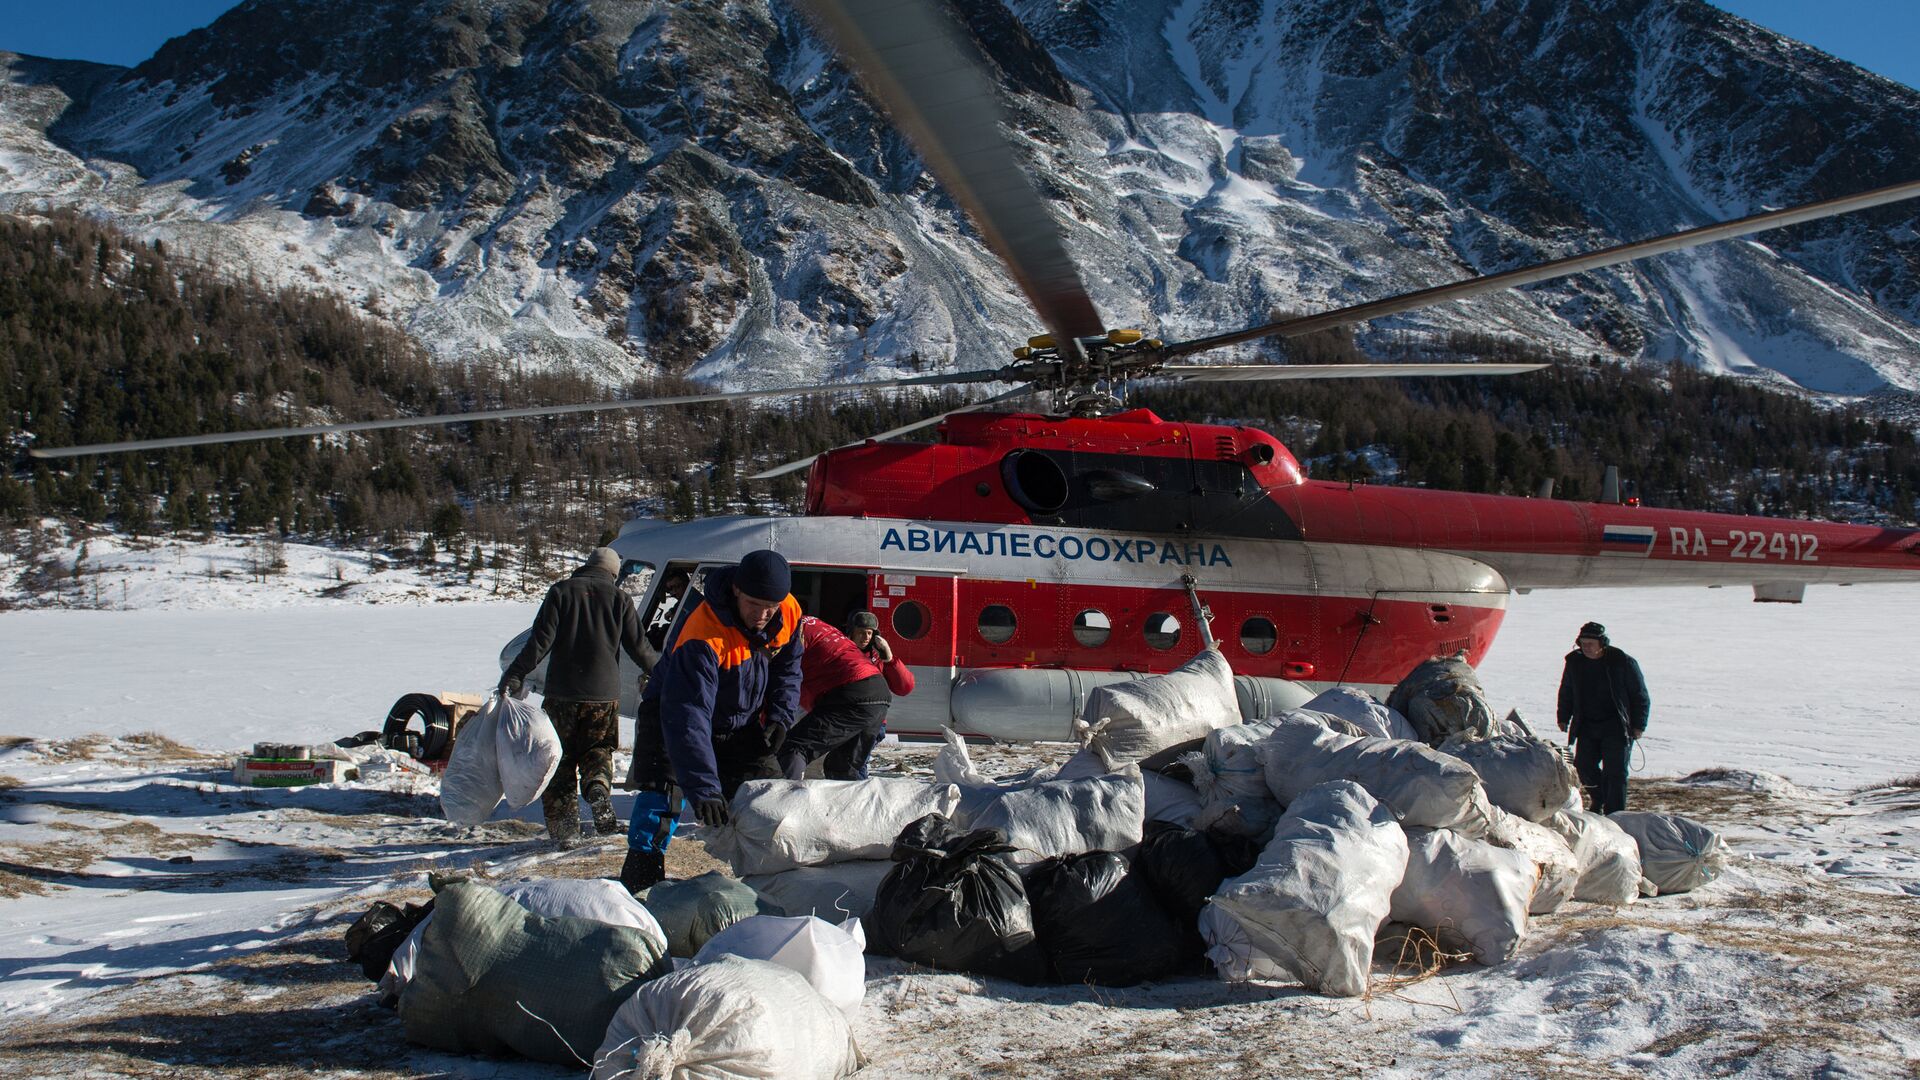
583,625
1604,707
718,706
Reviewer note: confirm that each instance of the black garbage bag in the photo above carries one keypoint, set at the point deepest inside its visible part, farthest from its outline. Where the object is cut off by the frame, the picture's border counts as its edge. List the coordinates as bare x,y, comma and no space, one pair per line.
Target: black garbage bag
954,902
376,934
1183,867
1100,923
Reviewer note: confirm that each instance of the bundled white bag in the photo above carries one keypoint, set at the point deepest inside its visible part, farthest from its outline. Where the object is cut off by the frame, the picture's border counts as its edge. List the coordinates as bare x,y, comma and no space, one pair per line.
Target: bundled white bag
1609,859
1231,950
1319,893
470,788
953,765
1127,722
582,898
831,958
1553,859
1424,788
1070,817
1364,711
1676,854
1522,775
527,749
733,1019
1466,891
780,824
1232,783
842,890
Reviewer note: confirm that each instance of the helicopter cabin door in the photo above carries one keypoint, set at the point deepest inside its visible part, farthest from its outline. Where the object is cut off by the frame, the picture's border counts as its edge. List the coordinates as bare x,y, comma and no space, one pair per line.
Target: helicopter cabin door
916,612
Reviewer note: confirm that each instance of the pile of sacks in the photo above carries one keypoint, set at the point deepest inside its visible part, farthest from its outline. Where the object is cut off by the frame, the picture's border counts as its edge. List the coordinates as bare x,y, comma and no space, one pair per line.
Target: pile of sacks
1175,839
577,972
1179,835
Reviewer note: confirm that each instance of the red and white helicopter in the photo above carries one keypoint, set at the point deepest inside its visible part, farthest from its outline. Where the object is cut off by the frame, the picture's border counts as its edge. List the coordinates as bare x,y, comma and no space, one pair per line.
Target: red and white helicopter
1021,559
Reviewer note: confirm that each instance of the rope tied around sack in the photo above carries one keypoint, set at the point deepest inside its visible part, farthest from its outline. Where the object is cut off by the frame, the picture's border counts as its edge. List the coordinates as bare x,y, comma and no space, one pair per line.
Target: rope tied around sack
661,1054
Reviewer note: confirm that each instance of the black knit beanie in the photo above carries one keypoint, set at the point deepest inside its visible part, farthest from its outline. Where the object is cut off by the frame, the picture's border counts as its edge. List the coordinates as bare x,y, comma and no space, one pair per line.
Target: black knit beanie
764,575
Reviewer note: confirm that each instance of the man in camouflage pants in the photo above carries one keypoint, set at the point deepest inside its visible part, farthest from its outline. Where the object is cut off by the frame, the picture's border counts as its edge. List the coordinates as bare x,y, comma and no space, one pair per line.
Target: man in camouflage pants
584,624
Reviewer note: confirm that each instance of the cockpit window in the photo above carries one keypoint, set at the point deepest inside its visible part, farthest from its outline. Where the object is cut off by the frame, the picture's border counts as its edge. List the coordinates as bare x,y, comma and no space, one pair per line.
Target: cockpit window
636,578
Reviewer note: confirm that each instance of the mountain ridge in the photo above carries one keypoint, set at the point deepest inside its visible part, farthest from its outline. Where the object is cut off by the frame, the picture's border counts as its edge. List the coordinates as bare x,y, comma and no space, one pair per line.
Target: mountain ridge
627,188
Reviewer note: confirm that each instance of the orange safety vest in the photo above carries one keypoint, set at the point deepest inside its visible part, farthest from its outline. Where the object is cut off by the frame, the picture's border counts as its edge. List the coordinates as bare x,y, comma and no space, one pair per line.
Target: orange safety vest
728,642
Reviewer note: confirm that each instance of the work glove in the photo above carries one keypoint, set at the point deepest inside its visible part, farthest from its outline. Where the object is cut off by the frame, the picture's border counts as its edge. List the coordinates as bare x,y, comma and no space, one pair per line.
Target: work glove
776,736
1563,725
712,812
882,651
511,687
1634,733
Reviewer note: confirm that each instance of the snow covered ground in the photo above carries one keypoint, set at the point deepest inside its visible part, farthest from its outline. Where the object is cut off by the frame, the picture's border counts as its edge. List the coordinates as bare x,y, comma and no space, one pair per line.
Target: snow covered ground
157,920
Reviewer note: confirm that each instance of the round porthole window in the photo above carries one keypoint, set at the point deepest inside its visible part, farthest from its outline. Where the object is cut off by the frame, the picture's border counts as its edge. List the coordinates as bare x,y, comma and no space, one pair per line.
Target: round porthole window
911,621
1258,635
1162,630
997,624
1092,628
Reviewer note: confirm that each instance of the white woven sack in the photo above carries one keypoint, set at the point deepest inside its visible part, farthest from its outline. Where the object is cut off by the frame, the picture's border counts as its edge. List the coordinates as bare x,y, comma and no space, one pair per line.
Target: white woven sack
1677,854
1127,722
1364,711
842,890
1553,859
733,1019
582,898
1522,775
953,765
1609,859
1232,784
528,750
831,958
1070,817
1320,892
1467,891
780,824
1423,787
1231,950
470,788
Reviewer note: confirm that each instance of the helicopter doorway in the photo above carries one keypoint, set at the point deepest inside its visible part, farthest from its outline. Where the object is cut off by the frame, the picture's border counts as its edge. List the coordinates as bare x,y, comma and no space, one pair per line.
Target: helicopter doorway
830,595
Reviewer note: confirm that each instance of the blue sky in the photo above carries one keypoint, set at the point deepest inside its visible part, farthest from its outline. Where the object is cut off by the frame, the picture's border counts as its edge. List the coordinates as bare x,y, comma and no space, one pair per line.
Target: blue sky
1879,35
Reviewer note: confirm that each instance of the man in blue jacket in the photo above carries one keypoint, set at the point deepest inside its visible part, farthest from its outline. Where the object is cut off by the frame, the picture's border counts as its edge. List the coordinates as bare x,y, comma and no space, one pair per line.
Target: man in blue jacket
1603,703
717,707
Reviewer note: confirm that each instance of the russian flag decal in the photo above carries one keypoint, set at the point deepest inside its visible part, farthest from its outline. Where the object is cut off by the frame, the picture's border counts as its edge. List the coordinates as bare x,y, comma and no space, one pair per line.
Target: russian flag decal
1626,540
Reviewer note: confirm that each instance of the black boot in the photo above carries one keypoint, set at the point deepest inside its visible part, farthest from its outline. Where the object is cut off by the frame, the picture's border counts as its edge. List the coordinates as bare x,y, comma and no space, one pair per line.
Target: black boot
643,869
601,803
564,831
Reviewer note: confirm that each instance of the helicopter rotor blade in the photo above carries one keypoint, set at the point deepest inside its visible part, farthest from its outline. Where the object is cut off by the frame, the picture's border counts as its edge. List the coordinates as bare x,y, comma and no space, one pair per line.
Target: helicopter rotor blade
795,466
915,61
1291,372
1573,264
211,438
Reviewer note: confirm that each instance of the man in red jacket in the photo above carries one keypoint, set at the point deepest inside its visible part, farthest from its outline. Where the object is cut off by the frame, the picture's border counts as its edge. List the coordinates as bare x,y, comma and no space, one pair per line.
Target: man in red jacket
845,694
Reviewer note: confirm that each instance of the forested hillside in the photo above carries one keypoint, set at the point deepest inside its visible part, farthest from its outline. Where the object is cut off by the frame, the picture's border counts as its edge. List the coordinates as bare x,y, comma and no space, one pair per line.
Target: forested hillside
102,338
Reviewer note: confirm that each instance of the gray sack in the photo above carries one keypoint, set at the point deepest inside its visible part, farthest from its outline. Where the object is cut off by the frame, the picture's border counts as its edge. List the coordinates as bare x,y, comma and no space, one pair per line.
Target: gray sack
493,977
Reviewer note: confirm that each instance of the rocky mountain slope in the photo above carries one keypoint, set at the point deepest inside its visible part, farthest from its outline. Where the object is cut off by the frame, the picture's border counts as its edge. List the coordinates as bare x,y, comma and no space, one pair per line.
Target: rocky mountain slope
625,187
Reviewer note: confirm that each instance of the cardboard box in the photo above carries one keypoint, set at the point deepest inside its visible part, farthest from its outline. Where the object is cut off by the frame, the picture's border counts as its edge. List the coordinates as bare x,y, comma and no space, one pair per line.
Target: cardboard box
283,772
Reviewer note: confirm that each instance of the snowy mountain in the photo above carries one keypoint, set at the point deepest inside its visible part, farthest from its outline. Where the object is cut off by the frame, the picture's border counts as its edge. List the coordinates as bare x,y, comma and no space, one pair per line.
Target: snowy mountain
628,187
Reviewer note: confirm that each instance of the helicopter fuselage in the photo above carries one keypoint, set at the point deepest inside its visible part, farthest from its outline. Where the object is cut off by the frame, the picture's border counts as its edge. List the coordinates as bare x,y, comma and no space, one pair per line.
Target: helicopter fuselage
1022,560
